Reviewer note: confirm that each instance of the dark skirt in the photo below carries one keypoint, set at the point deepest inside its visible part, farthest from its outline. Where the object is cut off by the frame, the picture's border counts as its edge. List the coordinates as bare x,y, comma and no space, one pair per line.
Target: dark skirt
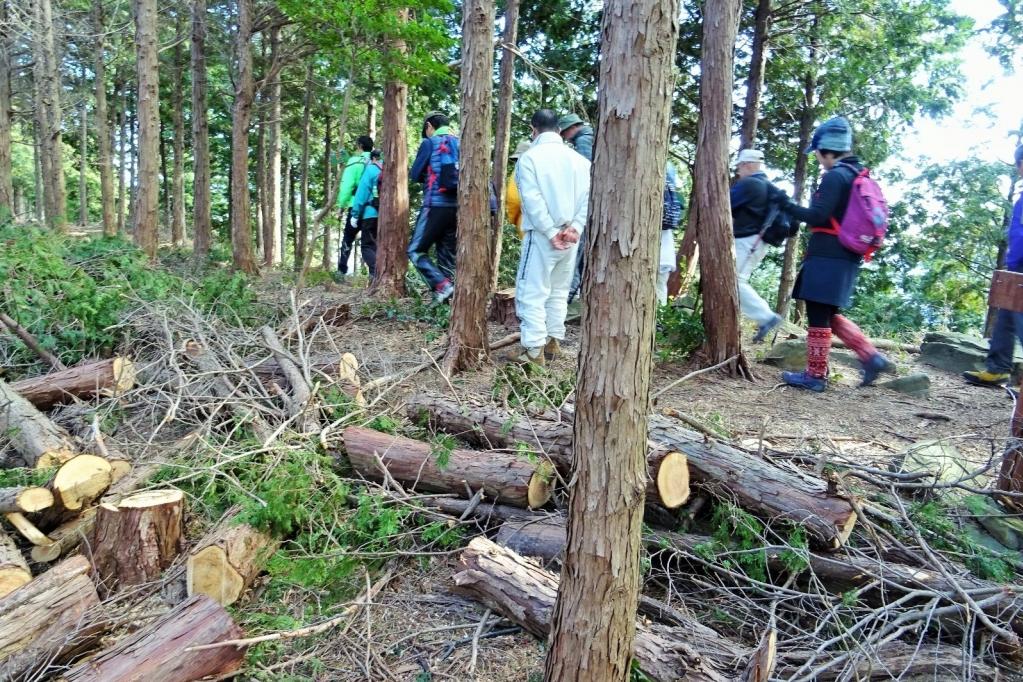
826,280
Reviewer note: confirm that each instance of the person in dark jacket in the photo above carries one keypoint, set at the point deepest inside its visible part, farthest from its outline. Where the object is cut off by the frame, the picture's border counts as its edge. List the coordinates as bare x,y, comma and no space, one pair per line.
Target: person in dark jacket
438,221
749,210
1008,324
577,134
828,274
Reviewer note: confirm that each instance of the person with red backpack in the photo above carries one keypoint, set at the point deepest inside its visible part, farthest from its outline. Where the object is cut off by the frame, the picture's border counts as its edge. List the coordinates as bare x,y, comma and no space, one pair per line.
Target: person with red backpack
847,219
436,167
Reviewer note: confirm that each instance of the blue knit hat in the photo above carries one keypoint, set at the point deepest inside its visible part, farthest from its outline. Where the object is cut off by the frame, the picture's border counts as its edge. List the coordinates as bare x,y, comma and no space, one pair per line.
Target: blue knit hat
1019,154
834,134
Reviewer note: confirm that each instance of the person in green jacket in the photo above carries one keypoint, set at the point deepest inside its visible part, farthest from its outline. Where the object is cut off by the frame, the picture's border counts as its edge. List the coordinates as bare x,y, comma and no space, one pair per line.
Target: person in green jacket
350,177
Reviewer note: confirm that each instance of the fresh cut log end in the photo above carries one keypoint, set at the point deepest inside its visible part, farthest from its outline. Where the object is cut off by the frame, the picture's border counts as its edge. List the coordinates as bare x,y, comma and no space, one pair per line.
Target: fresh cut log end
51,459
13,569
81,480
125,375
25,499
672,480
209,572
539,491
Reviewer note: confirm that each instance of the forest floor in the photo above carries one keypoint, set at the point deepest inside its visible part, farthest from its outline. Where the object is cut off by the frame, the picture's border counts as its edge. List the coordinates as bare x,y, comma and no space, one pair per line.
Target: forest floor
340,533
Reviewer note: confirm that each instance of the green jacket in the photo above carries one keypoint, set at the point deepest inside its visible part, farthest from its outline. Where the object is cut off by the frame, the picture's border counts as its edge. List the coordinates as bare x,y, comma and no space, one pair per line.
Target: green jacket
350,177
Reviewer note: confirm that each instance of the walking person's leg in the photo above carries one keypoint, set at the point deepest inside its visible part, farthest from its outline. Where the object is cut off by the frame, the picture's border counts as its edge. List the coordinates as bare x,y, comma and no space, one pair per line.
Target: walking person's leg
818,349
347,240
1000,352
447,246
532,290
665,264
368,244
427,234
749,252
556,307
855,340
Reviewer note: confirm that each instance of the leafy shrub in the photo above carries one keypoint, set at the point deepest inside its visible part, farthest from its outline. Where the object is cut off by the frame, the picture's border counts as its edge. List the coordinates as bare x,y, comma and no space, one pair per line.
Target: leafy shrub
679,331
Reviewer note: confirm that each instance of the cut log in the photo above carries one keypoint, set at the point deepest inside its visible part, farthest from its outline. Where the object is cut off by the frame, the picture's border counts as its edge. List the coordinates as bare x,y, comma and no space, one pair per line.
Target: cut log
894,660
13,569
543,539
49,621
503,476
502,308
30,341
136,538
668,471
752,482
40,442
225,562
25,499
298,402
27,529
161,651
524,593
77,484
102,377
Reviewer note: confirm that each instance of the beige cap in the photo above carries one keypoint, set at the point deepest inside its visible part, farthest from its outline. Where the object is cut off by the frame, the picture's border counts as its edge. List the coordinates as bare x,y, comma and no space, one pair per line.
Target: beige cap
750,156
520,149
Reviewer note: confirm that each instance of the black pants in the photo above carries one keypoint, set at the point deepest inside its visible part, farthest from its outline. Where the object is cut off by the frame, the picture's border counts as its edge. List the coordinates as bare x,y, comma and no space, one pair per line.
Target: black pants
439,228
819,314
347,240
368,243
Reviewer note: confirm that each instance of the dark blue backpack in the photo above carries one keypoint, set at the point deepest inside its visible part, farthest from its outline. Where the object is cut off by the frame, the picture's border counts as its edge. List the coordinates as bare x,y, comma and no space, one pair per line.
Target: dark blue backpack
444,163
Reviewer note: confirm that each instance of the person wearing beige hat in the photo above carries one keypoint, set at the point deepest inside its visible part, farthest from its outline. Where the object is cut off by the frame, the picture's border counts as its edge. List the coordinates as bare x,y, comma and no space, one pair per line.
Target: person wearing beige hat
749,199
512,200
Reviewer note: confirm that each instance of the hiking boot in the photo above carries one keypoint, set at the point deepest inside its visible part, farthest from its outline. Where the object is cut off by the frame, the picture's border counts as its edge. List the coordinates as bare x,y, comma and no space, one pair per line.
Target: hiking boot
552,349
874,366
766,328
521,355
443,292
804,380
986,378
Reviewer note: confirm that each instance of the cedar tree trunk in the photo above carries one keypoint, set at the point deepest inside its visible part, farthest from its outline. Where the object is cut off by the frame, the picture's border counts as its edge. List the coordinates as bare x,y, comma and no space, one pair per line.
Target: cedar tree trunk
502,136
178,170
103,131
146,59
201,228
244,93
755,81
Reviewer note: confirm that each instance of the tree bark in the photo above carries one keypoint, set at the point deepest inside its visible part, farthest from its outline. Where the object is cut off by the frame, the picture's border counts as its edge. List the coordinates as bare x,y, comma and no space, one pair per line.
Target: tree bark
327,261
25,499
46,70
298,401
717,271
755,80
226,561
13,568
39,441
102,377
467,333
241,115
178,170
7,202
393,223
121,98
502,135
201,226
754,483
273,243
136,538
146,224
163,651
615,357
502,476
48,621
302,234
525,593
83,154
103,131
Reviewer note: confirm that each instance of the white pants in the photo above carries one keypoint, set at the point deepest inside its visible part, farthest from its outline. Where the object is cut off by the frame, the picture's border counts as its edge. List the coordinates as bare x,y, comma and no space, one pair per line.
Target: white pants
666,265
541,289
749,251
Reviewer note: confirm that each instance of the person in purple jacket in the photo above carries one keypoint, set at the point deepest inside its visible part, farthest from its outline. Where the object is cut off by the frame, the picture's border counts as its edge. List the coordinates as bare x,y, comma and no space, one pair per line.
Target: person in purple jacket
1008,325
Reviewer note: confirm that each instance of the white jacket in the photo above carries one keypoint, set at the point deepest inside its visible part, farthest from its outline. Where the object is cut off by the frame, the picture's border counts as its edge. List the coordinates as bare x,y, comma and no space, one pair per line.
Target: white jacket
554,184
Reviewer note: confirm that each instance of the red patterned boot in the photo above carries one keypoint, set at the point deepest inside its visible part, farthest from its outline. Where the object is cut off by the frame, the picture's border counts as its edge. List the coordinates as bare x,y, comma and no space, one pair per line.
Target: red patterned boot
872,361
815,377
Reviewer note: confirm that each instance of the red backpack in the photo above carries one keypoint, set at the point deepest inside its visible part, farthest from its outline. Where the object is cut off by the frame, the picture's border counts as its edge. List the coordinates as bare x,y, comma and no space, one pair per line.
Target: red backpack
865,222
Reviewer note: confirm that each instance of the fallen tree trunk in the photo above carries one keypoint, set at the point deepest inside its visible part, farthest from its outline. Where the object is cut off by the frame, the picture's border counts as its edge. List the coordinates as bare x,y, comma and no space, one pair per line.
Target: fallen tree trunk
525,593
78,483
41,443
49,621
225,562
329,313
668,470
136,538
162,651
298,402
102,377
25,499
753,483
502,476
894,660
13,568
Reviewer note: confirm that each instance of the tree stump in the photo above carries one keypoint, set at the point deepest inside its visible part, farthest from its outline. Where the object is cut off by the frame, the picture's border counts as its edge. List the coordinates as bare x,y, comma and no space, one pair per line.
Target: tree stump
136,538
41,443
502,308
502,476
49,620
102,377
25,499
225,562
161,651
13,569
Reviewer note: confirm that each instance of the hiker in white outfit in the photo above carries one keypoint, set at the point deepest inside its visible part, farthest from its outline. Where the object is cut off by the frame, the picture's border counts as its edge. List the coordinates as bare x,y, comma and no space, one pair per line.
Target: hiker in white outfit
554,186
749,198
672,213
